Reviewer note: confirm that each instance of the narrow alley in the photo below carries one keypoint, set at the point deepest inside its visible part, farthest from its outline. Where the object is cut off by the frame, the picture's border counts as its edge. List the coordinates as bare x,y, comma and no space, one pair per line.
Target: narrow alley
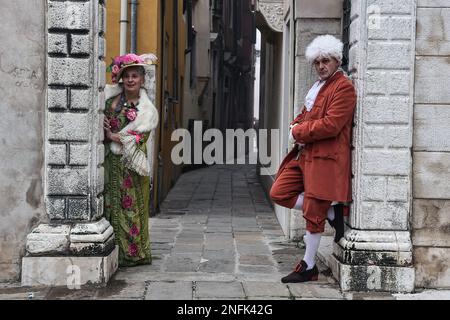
217,237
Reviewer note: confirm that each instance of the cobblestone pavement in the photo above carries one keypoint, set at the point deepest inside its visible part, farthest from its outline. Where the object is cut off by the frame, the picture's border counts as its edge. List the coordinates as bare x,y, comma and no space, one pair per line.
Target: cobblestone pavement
217,237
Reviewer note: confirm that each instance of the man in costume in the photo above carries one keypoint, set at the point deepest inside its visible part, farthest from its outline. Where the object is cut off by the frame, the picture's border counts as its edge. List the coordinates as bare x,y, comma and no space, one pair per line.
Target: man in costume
316,175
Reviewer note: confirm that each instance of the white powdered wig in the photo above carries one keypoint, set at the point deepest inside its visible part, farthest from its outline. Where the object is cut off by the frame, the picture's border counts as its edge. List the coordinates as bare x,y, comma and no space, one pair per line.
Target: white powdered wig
325,46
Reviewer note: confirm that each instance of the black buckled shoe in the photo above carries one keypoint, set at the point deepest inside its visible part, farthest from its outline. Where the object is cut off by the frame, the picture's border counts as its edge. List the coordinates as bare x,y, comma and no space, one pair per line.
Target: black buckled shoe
338,222
300,274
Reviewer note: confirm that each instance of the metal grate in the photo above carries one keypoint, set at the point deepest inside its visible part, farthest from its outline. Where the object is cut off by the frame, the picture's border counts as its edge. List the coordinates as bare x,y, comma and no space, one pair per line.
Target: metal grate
346,33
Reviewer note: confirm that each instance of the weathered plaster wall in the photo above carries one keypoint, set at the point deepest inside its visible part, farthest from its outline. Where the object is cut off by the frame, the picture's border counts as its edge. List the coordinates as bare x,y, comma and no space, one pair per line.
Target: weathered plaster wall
431,158
22,103
271,96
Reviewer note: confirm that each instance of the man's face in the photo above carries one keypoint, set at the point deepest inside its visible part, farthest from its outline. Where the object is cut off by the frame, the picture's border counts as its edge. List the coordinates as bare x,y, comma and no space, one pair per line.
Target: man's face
326,67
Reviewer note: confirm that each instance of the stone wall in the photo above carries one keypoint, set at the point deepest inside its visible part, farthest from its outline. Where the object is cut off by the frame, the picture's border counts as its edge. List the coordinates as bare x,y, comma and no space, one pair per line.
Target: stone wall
376,251
22,91
74,141
384,126
431,146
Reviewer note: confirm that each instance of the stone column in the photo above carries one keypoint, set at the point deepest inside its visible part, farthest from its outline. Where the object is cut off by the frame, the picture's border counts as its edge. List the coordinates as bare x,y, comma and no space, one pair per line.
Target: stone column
376,252
77,245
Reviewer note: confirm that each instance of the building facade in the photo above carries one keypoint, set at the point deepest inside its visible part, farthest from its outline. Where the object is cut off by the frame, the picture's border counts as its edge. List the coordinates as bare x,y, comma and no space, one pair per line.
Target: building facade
161,27
233,63
198,80
395,53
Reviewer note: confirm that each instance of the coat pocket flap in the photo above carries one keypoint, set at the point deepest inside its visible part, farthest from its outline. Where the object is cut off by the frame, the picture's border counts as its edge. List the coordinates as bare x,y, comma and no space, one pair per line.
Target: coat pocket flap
325,149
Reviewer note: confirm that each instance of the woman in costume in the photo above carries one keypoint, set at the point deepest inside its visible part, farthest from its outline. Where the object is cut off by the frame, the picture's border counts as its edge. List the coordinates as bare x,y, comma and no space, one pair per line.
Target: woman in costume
129,118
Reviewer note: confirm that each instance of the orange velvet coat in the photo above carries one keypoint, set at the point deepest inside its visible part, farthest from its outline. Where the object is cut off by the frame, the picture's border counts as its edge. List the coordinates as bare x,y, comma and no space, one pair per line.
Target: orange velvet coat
326,132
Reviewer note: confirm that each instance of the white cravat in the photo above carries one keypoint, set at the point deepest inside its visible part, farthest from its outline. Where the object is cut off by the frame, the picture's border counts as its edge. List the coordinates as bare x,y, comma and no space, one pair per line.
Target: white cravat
312,94
309,103
314,91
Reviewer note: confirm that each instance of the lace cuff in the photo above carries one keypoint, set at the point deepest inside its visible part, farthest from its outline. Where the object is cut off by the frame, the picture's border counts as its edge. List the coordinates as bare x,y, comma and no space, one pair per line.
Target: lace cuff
132,156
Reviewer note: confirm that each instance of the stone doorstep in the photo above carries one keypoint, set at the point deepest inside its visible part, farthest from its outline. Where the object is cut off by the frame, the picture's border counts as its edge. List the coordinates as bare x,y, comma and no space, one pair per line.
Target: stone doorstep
64,271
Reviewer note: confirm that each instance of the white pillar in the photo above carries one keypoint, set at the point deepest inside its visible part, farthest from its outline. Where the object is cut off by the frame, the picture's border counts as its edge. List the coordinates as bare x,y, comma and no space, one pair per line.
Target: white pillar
77,246
376,252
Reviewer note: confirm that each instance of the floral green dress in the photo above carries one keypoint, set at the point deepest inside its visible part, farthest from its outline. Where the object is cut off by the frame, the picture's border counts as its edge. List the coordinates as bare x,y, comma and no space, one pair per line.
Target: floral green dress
127,197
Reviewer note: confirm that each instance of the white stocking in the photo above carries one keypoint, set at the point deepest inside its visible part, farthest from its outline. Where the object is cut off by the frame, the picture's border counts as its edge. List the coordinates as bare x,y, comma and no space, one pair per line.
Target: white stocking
312,246
299,203
330,213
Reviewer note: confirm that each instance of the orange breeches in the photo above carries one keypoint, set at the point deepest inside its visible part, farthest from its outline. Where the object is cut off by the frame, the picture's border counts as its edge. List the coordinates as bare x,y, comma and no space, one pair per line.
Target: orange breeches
286,189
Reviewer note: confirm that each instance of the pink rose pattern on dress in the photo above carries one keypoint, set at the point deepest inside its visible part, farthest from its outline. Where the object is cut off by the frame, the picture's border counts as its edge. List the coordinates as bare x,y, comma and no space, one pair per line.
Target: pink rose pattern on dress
127,202
134,231
127,183
133,250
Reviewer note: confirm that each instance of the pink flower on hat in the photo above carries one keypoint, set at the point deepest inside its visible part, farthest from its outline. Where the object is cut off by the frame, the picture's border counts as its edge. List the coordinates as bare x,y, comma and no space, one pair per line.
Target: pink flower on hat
131,58
115,69
127,59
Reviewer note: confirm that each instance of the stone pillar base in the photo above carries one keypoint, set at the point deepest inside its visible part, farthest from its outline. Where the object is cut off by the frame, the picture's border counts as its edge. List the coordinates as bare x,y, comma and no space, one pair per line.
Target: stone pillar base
367,260
70,255
70,271
372,278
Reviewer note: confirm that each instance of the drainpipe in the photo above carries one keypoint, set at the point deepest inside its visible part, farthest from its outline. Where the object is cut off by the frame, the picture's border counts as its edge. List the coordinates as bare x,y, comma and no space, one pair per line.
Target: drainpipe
123,26
134,4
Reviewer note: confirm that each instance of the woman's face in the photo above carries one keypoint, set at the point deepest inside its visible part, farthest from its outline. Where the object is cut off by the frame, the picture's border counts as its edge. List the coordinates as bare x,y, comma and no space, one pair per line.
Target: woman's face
132,79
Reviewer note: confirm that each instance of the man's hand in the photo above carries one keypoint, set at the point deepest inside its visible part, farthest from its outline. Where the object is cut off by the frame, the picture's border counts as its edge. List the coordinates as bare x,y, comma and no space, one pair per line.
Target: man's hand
291,136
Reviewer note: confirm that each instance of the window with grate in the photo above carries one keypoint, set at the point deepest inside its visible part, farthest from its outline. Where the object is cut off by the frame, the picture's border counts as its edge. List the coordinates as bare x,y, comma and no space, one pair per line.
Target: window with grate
346,33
